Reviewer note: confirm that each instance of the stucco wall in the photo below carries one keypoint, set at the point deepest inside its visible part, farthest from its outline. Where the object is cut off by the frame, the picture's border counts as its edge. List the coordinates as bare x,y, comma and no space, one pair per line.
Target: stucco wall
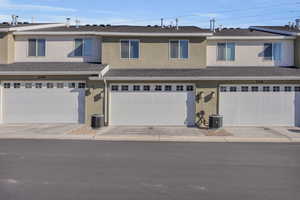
58,49
250,53
297,52
7,48
154,53
94,99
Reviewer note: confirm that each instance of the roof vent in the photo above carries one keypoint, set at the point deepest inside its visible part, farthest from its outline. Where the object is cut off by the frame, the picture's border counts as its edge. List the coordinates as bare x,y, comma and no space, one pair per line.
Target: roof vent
14,20
212,24
87,25
68,22
162,22
5,23
177,23
108,24
102,25
77,23
149,26
298,23
156,26
25,22
95,25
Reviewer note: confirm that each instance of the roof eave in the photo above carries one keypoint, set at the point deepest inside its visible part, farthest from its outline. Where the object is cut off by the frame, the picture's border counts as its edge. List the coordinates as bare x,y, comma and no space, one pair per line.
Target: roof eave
250,37
113,33
197,78
274,31
48,72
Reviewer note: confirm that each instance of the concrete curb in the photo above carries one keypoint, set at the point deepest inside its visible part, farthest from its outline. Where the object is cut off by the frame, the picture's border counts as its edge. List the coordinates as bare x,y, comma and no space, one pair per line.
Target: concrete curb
134,138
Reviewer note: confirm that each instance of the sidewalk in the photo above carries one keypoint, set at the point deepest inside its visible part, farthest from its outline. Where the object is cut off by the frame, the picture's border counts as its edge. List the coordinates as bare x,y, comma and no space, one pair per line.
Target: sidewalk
151,134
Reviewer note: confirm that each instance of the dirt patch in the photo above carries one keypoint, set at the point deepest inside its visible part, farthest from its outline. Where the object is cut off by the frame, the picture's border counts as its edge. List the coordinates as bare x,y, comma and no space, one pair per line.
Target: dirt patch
218,132
84,130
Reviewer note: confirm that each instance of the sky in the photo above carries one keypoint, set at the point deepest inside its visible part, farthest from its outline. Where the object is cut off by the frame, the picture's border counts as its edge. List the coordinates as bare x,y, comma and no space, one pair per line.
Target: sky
228,13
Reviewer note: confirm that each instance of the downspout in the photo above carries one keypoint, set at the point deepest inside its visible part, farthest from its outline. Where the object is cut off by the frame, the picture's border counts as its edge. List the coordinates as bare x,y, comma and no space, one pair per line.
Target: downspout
105,102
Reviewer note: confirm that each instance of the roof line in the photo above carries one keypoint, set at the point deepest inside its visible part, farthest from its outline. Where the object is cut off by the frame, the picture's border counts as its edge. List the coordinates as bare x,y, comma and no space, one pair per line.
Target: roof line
250,37
31,27
197,78
111,33
48,72
274,31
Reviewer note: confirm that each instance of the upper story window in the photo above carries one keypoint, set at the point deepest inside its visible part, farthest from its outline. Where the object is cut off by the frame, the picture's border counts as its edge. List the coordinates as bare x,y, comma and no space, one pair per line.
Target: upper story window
130,49
226,51
179,49
83,47
272,51
36,47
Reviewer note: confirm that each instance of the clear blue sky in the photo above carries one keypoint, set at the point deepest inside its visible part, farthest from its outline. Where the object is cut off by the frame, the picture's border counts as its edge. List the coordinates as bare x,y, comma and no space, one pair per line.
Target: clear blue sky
229,13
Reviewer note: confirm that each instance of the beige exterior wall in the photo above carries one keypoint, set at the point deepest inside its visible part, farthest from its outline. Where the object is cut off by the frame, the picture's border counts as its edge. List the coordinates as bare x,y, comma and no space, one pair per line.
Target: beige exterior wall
58,49
154,53
7,48
250,53
94,100
297,52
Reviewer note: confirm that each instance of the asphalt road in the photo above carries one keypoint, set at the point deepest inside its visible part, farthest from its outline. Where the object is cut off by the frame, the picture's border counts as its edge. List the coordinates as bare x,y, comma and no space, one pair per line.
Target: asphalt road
88,170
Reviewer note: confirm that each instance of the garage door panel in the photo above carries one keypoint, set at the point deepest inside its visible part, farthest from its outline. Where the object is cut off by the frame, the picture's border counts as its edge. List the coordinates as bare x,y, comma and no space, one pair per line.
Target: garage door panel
55,105
152,108
259,108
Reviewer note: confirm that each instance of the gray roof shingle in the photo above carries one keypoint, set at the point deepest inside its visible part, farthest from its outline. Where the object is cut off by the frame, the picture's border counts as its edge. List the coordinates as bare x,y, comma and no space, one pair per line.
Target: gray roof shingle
52,67
125,29
207,72
241,32
281,28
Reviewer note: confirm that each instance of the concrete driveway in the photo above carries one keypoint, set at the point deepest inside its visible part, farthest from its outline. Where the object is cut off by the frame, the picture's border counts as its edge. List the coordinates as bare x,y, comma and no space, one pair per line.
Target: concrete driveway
36,130
227,134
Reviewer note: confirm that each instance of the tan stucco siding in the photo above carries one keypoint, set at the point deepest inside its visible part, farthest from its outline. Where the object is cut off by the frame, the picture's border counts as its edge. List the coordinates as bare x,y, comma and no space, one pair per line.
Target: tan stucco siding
251,53
154,53
94,100
7,48
206,101
58,49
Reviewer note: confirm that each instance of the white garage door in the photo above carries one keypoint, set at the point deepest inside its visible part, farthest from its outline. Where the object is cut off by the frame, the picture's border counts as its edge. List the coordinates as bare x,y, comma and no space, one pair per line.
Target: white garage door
266,105
147,104
43,102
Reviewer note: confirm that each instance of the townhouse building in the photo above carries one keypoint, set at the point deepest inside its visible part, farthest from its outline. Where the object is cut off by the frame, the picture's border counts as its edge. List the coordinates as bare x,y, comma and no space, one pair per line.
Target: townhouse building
148,75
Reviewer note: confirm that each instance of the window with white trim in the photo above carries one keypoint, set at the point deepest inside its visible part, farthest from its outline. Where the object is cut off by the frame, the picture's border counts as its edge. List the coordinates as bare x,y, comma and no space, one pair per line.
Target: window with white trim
38,85
179,88
124,87
6,85
297,89
179,49
114,87
146,88
60,85
72,85
287,88
189,88
17,85
168,88
226,51
245,88
130,49
158,88
50,85
254,89
276,89
136,88
272,51
81,85
37,47
266,88
83,47
28,85
233,89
